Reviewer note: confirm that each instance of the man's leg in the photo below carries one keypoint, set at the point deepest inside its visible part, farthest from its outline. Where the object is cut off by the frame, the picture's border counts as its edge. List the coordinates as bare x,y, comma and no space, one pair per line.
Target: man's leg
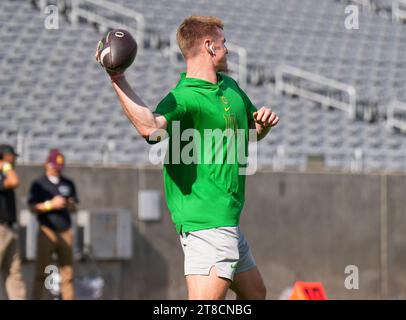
5,239
11,265
248,285
65,259
12,273
45,246
210,287
210,257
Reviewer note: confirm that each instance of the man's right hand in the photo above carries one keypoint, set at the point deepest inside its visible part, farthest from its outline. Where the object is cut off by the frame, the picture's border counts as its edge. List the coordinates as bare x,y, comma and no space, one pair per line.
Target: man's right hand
58,202
113,75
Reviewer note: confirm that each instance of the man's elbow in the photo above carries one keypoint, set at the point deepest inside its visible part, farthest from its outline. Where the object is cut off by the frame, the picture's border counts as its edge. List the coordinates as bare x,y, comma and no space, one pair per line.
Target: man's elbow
144,135
153,135
145,132
12,184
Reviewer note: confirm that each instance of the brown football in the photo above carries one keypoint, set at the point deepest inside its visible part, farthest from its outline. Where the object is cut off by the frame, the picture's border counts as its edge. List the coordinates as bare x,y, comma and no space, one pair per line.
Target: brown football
116,50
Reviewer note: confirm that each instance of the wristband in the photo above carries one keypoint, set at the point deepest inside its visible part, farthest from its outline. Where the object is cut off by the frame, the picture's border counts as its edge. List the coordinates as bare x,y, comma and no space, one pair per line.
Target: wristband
7,167
48,205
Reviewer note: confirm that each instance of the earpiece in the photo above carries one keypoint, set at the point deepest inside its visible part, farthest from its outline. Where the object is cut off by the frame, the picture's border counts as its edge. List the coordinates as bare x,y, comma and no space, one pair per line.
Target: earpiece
212,50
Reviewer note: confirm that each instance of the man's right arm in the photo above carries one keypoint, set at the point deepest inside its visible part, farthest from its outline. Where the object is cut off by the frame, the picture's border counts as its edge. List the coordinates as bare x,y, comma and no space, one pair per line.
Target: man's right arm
56,203
136,110
38,204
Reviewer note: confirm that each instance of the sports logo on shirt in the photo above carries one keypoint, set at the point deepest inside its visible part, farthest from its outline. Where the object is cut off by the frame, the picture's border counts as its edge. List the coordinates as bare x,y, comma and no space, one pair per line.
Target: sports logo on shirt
225,101
64,190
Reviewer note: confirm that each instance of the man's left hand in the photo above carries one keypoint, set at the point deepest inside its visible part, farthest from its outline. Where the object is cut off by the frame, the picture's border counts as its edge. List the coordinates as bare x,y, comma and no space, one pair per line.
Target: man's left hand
266,117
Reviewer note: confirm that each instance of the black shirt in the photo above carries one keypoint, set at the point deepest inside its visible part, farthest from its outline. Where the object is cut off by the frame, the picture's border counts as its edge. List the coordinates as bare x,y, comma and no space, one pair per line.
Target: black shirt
43,190
7,203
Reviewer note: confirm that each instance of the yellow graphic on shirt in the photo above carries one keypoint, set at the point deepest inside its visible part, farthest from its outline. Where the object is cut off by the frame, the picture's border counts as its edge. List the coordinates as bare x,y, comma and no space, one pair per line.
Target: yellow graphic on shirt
231,122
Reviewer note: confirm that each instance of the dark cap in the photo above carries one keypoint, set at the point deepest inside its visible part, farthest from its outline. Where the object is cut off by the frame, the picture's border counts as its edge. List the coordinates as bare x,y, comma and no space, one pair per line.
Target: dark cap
56,159
7,149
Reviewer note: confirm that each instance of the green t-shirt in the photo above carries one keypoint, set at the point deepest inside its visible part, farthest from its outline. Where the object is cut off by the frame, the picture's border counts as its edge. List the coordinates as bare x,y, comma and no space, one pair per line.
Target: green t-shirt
202,195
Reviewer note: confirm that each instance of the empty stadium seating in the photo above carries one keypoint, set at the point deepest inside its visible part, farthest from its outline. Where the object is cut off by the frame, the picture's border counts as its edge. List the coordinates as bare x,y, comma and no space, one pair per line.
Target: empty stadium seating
53,94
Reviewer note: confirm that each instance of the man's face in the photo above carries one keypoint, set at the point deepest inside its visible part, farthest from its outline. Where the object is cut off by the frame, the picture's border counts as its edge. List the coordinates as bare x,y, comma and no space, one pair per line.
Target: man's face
220,50
10,158
52,169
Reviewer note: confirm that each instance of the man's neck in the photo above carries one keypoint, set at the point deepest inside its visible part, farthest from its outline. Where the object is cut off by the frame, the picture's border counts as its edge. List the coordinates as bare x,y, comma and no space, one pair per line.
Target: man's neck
50,174
204,70
53,178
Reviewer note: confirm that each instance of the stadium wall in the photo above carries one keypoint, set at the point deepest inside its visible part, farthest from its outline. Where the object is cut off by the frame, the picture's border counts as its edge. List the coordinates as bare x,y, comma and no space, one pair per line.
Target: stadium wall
301,226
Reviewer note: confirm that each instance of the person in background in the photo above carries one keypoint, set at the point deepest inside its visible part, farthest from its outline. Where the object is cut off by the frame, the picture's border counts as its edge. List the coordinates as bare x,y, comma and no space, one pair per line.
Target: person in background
53,198
10,261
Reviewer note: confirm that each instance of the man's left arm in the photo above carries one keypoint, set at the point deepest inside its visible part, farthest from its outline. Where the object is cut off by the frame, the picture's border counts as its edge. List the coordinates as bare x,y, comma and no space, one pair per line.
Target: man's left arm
73,200
262,119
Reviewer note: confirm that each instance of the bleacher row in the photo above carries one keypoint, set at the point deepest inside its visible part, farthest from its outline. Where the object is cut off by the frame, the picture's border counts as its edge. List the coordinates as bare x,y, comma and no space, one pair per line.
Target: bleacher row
382,8
308,34
53,94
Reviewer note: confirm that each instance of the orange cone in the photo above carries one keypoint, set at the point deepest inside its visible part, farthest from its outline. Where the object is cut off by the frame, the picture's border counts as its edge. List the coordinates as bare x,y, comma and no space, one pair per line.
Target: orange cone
308,291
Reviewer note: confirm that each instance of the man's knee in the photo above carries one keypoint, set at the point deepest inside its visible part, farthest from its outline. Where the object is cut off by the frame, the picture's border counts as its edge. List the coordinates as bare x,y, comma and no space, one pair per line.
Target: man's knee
66,273
205,296
255,293
210,287
204,292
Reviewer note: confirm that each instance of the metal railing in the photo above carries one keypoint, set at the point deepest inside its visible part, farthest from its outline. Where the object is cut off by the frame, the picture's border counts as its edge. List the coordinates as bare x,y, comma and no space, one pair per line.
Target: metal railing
357,160
237,68
394,121
240,67
369,4
91,15
398,10
61,4
291,88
